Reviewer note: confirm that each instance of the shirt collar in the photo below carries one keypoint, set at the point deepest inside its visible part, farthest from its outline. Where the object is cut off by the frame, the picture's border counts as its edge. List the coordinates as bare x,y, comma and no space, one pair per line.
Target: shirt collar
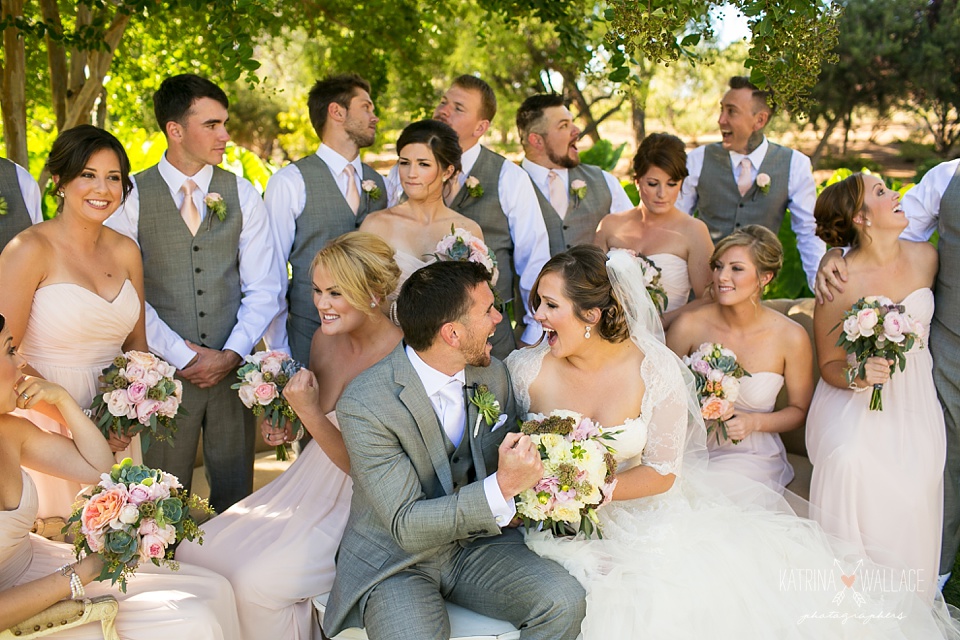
175,178
756,156
541,175
469,158
433,380
337,162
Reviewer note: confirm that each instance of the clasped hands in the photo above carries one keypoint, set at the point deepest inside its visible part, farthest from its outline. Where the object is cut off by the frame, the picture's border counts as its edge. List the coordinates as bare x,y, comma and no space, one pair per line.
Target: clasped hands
209,366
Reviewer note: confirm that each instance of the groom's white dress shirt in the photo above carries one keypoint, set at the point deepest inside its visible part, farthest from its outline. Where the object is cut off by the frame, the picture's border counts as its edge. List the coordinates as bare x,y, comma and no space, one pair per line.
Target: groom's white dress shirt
435,383
285,198
531,246
258,285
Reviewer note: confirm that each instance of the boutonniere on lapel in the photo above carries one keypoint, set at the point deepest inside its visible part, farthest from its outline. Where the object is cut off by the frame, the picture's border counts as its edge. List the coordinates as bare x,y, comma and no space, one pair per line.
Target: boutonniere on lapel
371,189
578,189
763,183
474,189
488,407
215,203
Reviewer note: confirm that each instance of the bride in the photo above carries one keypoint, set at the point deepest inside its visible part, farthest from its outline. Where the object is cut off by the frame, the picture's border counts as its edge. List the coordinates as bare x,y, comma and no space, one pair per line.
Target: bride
686,551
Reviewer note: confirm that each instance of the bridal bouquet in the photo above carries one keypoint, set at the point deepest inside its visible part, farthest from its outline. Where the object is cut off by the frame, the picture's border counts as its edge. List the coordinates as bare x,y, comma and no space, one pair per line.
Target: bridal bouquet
651,280
140,396
875,326
262,379
134,514
463,246
578,474
718,374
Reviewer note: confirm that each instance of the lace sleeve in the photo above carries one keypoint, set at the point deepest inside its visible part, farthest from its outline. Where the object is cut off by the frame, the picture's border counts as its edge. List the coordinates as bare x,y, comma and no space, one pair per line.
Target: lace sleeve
665,408
524,367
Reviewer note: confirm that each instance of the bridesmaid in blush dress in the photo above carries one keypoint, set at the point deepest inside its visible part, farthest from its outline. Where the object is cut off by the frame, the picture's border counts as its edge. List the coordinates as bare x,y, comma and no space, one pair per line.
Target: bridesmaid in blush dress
278,545
678,244
774,349
878,475
73,290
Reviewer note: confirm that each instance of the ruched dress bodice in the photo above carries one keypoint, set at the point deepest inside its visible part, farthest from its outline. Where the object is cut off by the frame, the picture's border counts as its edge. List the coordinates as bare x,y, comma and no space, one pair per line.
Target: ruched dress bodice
674,278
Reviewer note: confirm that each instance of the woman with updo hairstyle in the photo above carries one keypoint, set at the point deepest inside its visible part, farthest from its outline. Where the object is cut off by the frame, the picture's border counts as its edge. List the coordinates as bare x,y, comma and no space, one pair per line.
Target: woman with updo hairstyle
877,475
287,533
771,347
678,244
429,163
73,292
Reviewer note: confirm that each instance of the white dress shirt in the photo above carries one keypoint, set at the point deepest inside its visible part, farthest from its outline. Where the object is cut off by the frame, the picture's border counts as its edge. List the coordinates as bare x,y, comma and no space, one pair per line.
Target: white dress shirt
433,381
619,201
801,197
259,285
285,198
922,203
531,246
31,194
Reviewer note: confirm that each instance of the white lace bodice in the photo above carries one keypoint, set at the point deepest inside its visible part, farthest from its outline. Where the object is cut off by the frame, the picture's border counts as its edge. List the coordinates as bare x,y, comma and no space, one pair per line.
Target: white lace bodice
655,438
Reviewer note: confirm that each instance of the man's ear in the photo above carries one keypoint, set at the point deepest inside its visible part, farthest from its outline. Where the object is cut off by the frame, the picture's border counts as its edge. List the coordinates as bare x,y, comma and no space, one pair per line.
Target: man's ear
450,334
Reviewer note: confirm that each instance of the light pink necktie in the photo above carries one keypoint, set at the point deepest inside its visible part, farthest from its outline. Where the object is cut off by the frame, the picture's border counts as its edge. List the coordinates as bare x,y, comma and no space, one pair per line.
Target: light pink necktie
353,195
558,193
188,208
745,181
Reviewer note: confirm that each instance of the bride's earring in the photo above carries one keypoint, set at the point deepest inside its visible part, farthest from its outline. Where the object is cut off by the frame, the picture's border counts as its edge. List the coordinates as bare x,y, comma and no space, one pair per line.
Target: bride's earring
586,332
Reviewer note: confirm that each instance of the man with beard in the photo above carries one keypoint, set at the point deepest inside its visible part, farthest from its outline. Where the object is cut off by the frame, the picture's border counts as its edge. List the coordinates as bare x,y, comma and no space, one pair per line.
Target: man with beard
434,486
319,198
746,179
573,197
497,195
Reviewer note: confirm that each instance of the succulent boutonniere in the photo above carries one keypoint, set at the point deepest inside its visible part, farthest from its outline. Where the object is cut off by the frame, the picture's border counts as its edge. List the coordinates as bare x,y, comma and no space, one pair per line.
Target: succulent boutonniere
578,189
487,405
3,206
371,189
473,187
215,203
763,183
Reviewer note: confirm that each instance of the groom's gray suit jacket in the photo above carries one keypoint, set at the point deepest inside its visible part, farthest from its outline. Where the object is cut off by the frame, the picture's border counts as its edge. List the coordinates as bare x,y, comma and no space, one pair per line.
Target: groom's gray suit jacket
405,506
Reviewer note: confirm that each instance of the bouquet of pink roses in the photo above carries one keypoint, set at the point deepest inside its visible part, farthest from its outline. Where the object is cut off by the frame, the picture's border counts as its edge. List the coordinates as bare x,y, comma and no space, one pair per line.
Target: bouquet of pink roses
262,379
717,374
875,326
134,514
463,246
578,474
140,396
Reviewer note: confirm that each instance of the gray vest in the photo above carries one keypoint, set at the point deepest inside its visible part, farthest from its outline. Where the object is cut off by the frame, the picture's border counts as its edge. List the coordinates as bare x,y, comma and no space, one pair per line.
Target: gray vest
461,459
487,212
580,224
947,298
325,216
17,218
192,281
722,207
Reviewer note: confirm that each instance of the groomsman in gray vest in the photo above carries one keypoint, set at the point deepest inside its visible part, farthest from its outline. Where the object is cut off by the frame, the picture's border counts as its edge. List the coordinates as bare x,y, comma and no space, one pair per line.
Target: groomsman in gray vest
206,247
933,205
318,198
497,195
746,179
434,485
19,201
573,197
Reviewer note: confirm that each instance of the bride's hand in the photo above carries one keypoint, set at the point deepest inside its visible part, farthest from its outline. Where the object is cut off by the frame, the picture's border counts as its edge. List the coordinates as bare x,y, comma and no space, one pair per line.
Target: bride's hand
741,425
32,390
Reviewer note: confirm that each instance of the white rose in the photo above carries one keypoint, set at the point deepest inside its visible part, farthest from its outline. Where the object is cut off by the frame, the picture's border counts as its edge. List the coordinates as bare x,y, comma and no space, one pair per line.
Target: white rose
731,388
117,402
248,395
129,514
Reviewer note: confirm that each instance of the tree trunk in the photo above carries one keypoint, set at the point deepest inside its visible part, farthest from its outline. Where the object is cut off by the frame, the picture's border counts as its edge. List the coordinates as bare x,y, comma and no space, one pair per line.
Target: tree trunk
583,107
98,64
13,102
57,60
824,141
638,116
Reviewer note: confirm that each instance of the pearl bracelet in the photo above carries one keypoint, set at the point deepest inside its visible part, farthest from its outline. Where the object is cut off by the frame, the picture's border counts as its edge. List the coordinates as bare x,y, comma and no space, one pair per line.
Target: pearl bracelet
76,586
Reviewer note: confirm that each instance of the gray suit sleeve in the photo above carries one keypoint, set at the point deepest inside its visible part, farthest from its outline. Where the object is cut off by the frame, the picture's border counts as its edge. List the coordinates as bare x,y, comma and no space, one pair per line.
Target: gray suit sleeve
382,469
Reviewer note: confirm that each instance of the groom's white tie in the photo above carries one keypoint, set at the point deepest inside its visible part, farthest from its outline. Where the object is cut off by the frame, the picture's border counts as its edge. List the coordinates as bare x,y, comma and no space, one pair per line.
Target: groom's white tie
453,414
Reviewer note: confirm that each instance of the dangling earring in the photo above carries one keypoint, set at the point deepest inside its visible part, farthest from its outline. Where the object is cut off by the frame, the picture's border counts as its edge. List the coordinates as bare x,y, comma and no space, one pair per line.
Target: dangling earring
586,332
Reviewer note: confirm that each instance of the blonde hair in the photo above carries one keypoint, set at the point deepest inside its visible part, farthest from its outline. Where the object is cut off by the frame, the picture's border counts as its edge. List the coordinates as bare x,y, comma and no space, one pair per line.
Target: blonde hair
764,247
363,267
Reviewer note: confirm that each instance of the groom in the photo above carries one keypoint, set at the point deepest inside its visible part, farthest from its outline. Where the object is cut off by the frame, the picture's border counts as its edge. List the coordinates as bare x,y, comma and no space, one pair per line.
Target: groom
434,485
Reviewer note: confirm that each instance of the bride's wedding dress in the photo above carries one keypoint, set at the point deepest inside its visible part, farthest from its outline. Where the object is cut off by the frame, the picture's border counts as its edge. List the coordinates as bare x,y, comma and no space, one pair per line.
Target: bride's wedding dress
717,555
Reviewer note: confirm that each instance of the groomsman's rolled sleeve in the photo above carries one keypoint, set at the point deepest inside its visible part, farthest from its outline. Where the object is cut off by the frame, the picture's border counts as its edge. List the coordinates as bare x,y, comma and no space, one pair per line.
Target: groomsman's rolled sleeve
165,342
922,203
30,191
502,509
687,202
260,286
284,199
394,190
619,200
531,247
802,196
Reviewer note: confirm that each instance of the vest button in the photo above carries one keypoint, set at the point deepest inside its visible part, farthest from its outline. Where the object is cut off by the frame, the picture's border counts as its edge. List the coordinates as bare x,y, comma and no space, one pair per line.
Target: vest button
568,246
565,227
199,292
737,225
456,459
203,336
740,205
202,314
197,270
196,248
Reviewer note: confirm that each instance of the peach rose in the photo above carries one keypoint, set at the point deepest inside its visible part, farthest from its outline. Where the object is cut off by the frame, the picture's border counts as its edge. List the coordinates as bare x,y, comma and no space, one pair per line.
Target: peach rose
144,359
102,508
713,408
